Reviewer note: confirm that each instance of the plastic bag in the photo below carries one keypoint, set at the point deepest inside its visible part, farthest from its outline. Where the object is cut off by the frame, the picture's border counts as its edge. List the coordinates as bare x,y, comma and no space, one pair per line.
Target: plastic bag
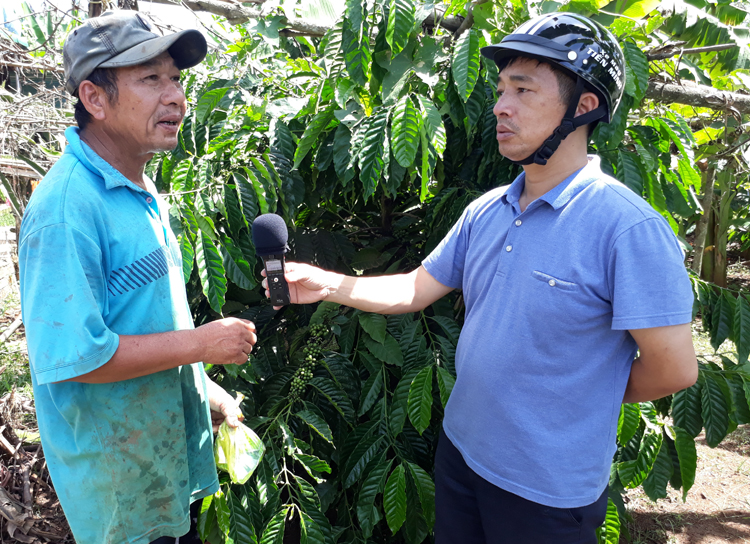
238,451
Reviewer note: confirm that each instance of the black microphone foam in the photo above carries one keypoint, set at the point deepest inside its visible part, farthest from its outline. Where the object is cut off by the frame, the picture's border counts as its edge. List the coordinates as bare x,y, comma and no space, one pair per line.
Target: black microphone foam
270,234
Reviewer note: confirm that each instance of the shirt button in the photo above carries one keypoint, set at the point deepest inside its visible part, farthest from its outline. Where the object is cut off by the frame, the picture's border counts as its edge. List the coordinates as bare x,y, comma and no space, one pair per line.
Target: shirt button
149,199
508,248
551,283
518,222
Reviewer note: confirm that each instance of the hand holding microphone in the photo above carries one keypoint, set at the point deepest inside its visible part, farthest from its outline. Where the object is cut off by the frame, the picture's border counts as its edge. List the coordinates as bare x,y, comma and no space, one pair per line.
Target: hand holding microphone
270,236
306,284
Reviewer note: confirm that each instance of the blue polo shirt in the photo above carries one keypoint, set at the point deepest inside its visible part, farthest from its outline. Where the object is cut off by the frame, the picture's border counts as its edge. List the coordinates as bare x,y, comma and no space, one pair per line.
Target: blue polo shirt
97,259
545,353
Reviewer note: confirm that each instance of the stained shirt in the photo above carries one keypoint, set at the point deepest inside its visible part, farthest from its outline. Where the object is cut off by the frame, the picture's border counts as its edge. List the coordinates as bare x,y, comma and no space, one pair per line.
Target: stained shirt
97,260
545,354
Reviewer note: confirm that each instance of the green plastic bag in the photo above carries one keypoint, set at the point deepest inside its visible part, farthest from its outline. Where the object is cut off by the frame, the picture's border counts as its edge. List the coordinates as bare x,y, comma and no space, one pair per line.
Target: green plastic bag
238,451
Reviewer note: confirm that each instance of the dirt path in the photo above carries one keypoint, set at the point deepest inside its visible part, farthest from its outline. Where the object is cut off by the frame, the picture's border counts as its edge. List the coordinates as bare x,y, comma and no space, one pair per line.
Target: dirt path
718,505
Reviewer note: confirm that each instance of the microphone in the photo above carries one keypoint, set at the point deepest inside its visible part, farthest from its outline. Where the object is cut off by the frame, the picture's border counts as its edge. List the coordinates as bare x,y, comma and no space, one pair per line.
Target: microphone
270,236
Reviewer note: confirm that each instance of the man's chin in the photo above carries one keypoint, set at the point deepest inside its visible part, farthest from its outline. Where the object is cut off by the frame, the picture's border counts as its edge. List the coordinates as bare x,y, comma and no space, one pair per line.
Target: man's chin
159,147
514,154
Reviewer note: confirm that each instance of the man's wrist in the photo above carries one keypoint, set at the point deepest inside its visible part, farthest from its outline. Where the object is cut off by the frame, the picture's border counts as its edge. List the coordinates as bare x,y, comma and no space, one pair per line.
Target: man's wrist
335,287
196,343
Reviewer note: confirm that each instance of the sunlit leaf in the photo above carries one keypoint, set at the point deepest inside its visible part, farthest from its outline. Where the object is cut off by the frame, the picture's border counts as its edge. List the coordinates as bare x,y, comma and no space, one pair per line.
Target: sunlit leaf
240,524
405,131
627,424
655,485
433,124
274,531
211,270
312,133
400,23
609,532
466,63
371,159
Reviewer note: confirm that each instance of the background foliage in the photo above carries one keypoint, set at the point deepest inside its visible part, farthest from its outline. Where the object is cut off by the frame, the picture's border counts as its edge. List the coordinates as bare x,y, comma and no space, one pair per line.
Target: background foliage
369,141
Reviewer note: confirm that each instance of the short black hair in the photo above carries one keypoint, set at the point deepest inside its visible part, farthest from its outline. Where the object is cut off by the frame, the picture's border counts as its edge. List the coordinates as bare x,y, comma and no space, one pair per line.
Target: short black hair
106,78
566,81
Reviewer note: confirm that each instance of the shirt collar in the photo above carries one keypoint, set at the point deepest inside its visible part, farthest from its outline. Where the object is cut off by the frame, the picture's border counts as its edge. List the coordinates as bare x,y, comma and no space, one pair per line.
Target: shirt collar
563,192
89,158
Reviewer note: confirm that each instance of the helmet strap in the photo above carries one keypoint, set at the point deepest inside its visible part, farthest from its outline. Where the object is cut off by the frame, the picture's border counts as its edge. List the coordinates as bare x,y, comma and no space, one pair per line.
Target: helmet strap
567,126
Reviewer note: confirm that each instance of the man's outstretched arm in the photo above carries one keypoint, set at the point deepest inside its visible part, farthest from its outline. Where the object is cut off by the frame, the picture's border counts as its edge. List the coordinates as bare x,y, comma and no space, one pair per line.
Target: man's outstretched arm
666,363
393,294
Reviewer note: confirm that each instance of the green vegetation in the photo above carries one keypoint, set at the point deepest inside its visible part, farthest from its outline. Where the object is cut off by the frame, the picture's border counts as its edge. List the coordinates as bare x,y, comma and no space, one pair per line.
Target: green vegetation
7,219
369,138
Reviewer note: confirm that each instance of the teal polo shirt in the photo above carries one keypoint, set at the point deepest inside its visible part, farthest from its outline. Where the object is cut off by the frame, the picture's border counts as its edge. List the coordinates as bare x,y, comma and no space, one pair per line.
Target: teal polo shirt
545,354
98,259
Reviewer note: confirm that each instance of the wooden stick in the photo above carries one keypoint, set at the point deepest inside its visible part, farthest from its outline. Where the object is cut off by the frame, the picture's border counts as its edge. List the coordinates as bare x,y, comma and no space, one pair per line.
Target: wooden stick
10,330
8,447
26,486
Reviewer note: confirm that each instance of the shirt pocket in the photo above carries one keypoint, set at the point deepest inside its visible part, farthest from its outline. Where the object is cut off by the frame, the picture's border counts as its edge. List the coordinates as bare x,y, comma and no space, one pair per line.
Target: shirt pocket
554,282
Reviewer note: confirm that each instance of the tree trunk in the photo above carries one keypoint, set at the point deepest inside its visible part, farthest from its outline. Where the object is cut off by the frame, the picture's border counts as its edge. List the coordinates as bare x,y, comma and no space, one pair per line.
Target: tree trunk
723,217
701,228
707,270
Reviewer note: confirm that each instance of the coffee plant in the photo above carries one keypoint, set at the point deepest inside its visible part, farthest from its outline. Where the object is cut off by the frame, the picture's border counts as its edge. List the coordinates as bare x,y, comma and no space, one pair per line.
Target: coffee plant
369,131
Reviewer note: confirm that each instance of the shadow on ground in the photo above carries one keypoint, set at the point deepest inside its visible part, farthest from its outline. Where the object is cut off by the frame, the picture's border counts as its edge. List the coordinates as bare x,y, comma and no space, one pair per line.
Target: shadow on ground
689,528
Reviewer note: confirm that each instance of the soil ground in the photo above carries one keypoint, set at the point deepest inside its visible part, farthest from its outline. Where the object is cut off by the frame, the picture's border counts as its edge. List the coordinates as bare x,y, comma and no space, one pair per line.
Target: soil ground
717,509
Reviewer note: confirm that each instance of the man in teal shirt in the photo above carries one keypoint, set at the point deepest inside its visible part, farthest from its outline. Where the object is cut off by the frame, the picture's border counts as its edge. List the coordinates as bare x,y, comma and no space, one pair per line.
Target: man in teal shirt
123,403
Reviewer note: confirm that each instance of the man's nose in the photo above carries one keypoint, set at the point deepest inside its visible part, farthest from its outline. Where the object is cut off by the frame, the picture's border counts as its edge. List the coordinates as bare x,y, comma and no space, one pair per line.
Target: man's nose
173,93
501,106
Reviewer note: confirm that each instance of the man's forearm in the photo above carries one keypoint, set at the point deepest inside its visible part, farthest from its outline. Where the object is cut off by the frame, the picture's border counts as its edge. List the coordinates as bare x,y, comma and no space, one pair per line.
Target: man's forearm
666,363
643,385
394,294
223,342
141,355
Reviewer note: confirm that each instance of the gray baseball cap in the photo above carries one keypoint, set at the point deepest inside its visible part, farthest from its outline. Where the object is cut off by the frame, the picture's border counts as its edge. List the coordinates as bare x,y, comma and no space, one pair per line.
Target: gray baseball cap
125,38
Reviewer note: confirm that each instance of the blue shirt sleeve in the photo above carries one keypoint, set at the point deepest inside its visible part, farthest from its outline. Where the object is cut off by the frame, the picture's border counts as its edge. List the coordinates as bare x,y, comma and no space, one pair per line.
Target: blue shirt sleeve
446,262
63,290
648,283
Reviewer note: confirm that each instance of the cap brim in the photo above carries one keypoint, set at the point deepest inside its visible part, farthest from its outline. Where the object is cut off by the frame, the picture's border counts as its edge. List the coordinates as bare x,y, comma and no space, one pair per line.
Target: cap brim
187,48
511,49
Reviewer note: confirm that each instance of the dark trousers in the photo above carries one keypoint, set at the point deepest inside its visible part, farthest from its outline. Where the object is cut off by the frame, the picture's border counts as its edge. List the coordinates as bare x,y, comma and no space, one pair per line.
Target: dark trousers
470,510
191,537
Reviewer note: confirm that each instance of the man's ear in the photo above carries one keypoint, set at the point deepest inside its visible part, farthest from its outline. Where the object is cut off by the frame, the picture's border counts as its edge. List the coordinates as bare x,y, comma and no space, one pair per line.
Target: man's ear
588,102
94,99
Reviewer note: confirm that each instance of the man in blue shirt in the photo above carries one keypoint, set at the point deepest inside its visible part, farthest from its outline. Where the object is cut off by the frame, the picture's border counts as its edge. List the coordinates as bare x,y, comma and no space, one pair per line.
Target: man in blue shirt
566,275
124,406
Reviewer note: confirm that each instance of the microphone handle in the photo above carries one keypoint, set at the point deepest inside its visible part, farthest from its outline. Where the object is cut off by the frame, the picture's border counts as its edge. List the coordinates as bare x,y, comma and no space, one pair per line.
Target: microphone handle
277,286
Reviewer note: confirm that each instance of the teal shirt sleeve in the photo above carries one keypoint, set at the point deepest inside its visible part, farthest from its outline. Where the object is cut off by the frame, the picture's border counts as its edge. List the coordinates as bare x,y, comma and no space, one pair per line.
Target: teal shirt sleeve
64,301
